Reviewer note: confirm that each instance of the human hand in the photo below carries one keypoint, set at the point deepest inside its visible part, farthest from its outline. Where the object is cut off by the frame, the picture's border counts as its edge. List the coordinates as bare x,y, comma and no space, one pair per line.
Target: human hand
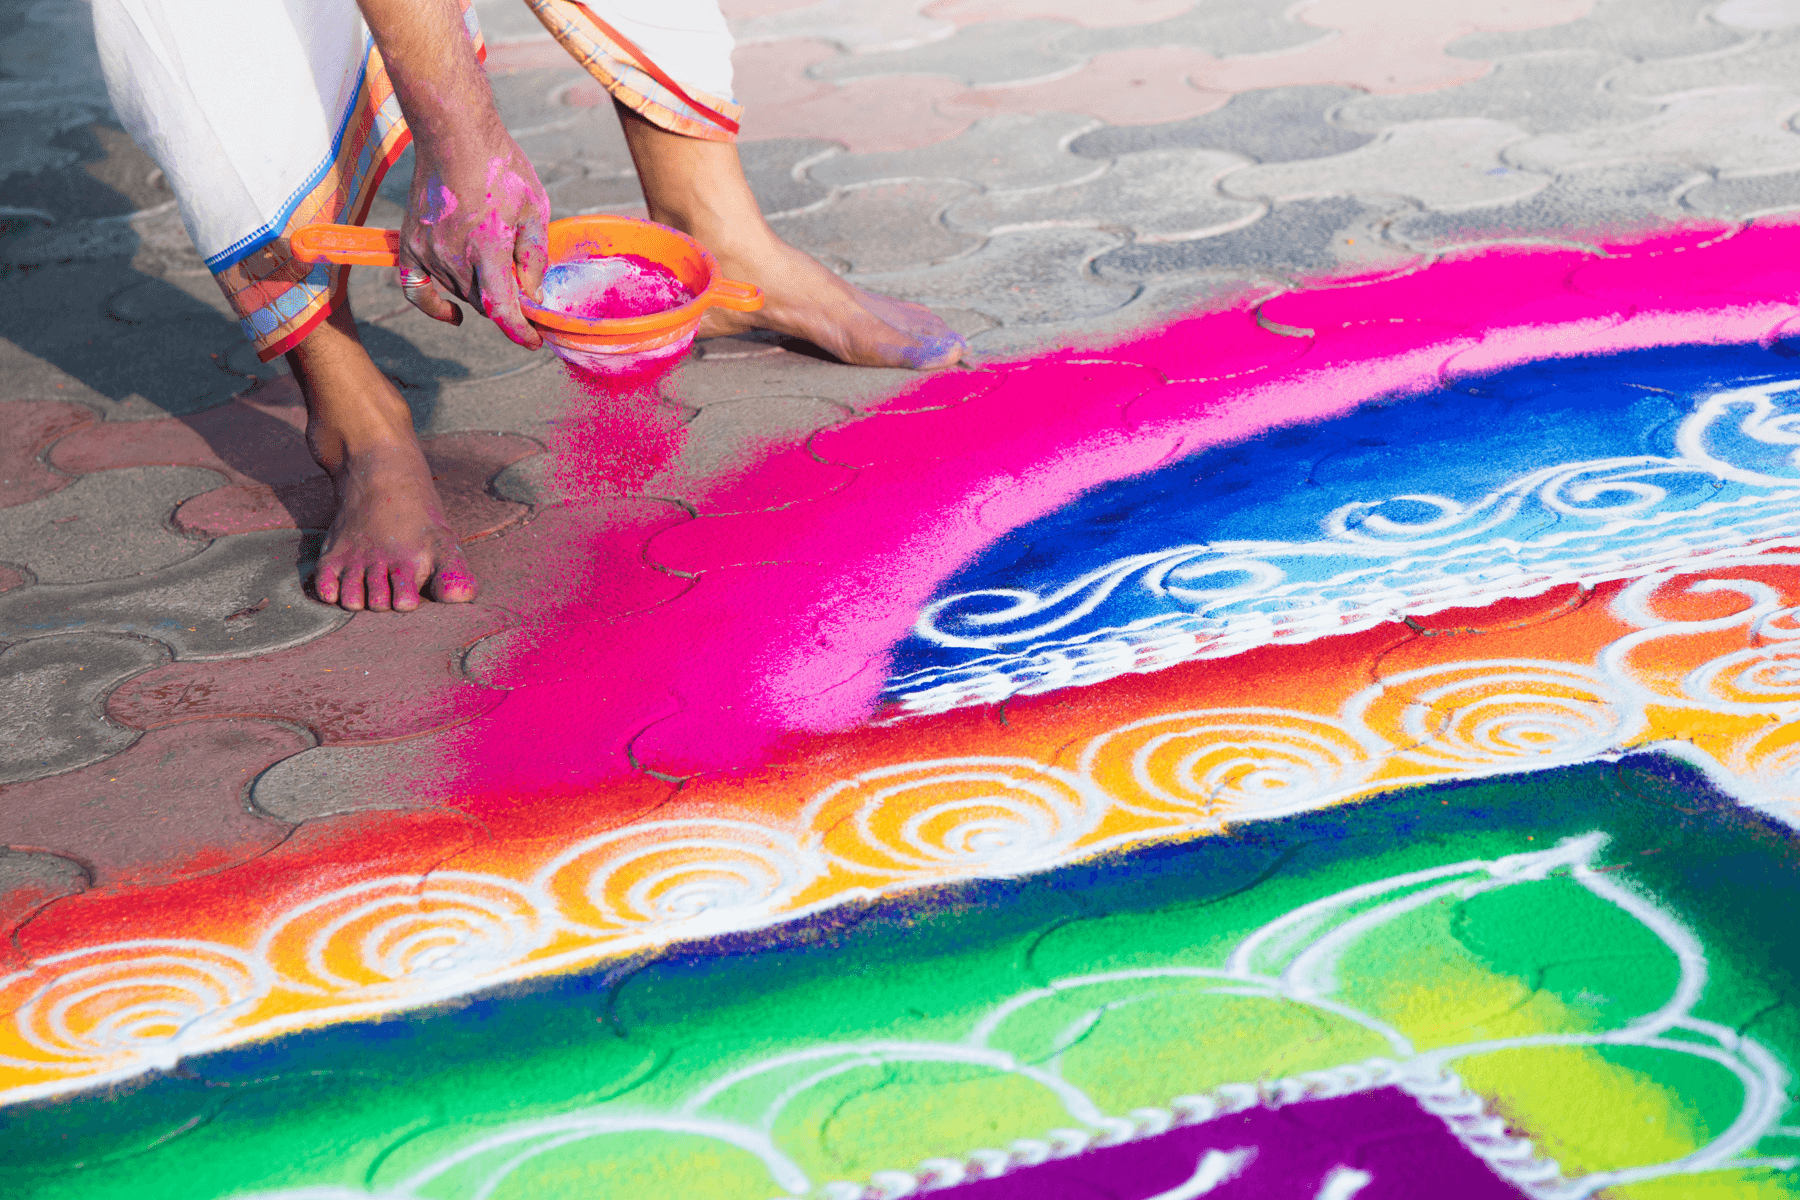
475,227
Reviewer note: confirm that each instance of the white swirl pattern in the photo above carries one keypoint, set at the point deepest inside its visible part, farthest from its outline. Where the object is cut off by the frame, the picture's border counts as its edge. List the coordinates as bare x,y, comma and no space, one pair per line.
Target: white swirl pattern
1734,482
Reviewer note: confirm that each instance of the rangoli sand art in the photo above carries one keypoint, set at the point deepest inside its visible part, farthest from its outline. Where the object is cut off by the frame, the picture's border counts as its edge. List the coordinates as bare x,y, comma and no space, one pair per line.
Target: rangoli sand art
1342,745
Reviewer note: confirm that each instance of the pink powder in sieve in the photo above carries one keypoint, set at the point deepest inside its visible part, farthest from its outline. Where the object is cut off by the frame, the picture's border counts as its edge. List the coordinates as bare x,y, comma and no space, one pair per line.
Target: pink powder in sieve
618,285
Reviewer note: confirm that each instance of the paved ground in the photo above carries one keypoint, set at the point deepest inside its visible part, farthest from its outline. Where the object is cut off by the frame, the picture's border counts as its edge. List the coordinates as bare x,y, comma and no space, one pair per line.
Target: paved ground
1045,171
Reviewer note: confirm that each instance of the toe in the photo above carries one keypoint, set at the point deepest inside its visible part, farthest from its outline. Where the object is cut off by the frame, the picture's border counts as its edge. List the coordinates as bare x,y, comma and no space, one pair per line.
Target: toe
453,583
325,583
350,588
403,582
377,595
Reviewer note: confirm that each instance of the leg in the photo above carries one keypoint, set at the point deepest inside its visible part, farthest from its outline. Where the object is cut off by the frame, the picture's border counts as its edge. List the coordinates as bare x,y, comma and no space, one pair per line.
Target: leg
389,539
699,188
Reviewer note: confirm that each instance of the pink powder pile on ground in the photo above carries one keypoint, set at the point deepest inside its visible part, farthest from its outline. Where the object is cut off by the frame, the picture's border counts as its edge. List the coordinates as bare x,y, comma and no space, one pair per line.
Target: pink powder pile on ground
619,285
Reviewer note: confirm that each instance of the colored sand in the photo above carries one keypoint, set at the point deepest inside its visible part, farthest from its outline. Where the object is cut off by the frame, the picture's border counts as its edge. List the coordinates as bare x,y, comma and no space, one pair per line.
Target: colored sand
614,287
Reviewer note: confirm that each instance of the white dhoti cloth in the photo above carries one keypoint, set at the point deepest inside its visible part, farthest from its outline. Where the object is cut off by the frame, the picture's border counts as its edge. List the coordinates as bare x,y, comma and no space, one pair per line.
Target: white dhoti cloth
267,115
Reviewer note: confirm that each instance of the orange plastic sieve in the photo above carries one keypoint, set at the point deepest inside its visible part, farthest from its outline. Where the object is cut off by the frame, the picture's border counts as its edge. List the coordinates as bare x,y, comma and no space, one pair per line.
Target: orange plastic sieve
604,344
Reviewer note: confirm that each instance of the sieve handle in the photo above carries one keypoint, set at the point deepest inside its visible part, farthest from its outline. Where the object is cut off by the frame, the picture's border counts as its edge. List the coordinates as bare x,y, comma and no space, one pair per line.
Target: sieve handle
729,293
353,245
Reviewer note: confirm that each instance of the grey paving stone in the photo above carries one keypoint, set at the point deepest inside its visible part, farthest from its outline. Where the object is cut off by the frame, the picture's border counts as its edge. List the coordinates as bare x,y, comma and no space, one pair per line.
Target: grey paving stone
1026,278
53,330
1268,125
858,26
205,607
1016,150
531,100
1154,193
106,525
699,382
590,137
1742,129
524,402
1219,28
578,191
1301,235
1621,199
1544,93
1740,197
47,54
1772,60
507,21
776,169
989,53
1757,14
1633,28
883,226
1445,164
324,780
724,440
31,879
52,690
1157,302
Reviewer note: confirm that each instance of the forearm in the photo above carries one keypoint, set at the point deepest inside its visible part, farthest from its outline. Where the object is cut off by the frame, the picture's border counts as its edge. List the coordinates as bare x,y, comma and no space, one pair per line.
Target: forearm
440,84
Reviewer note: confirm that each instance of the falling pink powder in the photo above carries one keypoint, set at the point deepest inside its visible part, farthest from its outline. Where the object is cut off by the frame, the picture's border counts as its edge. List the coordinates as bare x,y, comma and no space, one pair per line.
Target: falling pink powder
615,434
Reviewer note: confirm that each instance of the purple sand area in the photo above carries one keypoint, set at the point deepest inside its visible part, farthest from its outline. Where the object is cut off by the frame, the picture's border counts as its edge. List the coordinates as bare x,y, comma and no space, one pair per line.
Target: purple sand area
1297,1149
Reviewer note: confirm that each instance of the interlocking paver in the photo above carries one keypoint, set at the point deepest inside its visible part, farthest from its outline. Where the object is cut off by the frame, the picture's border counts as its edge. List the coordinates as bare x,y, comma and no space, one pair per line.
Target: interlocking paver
1742,129
777,171
30,425
1135,194
29,881
1015,150
104,526
1634,28
1009,52
883,226
1446,164
1744,196
893,112
325,685
700,382
1094,16
1270,125
1757,14
725,440
1245,27
1337,232
1770,61
170,807
238,596
1125,87
1617,201
1548,92
1018,278
52,690
859,26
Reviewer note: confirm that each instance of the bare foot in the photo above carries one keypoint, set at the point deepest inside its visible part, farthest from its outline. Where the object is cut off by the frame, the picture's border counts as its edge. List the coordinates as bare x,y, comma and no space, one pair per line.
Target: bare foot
699,188
389,543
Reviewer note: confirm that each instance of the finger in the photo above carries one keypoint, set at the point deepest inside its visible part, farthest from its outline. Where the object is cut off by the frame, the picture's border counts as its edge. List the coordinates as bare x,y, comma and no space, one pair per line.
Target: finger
350,589
422,293
404,582
376,594
531,258
499,292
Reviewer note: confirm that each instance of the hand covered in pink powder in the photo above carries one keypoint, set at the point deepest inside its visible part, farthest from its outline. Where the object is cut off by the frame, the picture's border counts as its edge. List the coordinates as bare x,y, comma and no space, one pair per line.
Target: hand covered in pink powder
476,220
476,224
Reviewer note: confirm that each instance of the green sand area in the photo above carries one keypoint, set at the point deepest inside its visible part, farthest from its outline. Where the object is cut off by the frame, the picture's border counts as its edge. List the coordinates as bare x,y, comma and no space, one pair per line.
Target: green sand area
1601,953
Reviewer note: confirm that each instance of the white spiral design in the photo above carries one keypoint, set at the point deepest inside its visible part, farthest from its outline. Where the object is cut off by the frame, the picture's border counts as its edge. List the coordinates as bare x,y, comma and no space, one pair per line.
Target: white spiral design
145,1002
1507,713
406,935
1760,679
955,816
1213,764
687,877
